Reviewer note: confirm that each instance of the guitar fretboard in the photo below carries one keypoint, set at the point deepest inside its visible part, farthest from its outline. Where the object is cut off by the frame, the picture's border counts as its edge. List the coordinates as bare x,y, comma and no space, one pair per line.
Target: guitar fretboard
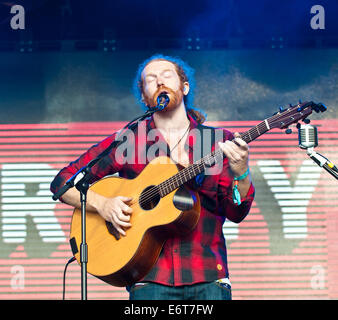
207,161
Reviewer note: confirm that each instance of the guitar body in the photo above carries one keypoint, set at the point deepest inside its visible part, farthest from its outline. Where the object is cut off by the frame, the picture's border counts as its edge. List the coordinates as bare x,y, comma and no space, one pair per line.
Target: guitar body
121,261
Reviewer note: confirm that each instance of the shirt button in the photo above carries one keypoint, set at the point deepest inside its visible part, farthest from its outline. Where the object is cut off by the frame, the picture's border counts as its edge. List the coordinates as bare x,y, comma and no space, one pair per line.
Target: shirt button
175,250
219,267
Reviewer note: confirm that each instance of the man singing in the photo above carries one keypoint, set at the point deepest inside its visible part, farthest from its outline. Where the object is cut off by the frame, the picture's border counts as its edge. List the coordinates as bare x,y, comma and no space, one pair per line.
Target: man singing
193,265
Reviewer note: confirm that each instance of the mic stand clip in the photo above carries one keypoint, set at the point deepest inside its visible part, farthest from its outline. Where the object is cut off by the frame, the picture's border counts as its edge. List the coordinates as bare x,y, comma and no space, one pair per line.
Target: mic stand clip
323,162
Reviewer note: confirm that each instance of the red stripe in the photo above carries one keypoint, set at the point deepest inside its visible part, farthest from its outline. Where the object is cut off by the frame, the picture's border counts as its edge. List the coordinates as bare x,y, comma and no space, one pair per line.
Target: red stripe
52,139
69,295
58,146
83,132
62,159
39,153
70,125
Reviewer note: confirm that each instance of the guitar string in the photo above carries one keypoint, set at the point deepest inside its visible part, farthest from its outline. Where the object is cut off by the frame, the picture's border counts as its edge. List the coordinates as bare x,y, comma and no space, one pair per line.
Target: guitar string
213,155
167,185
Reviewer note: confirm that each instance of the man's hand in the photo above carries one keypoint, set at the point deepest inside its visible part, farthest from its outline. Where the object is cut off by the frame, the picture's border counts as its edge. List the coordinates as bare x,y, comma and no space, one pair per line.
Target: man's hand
116,211
237,152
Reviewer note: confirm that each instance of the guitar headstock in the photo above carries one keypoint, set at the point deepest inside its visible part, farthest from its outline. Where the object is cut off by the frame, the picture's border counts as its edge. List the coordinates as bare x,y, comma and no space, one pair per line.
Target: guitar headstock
294,114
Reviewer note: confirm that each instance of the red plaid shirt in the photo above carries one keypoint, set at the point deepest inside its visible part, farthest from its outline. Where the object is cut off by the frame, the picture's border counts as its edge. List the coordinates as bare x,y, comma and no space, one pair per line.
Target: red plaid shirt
201,255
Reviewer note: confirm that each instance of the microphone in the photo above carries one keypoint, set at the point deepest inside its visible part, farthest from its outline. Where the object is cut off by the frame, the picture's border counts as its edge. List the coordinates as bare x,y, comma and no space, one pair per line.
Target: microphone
162,101
308,139
307,136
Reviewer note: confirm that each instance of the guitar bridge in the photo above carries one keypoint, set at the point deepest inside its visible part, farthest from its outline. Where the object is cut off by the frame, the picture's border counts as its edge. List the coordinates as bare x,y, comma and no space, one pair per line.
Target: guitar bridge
112,230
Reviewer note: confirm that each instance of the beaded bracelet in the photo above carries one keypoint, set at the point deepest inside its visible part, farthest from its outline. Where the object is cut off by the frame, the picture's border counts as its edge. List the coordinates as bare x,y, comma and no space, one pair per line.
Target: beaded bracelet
236,197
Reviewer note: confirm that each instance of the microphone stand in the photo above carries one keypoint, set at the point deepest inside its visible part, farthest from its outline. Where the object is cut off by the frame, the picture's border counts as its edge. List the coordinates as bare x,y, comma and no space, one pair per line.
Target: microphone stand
323,162
81,181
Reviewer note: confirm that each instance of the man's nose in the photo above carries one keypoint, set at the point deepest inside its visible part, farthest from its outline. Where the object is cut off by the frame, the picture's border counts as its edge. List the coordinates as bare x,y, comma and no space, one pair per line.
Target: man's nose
160,82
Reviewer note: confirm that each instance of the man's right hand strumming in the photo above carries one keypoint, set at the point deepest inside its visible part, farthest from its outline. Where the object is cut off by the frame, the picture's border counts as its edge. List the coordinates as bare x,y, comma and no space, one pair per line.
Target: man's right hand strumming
116,211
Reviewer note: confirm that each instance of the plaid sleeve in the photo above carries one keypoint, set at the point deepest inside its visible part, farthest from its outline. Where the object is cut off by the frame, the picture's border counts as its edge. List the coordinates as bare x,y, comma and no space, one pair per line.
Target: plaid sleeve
233,212
107,165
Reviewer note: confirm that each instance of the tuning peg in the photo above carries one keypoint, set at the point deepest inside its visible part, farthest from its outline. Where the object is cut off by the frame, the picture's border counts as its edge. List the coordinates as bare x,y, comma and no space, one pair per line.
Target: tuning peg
288,131
306,121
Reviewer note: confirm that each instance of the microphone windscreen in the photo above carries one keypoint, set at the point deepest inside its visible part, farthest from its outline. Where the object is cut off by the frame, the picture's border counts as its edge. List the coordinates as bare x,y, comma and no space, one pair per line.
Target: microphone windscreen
307,136
162,101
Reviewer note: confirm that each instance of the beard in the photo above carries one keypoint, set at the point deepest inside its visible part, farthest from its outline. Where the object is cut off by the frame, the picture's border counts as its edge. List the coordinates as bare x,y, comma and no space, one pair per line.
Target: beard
175,98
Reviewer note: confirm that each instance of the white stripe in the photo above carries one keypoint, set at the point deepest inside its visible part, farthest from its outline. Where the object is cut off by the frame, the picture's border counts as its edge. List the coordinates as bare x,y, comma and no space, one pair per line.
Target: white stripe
48,227
231,237
308,176
13,186
306,182
51,233
44,186
13,193
284,203
230,223
14,227
290,189
12,166
230,230
27,179
274,176
29,173
294,209
13,220
27,200
272,169
294,223
27,206
13,240
278,182
294,216
293,195
44,193
23,213
311,169
45,220
11,234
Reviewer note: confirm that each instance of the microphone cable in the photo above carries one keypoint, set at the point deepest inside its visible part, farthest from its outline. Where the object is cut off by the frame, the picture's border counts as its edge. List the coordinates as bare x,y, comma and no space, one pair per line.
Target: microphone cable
64,276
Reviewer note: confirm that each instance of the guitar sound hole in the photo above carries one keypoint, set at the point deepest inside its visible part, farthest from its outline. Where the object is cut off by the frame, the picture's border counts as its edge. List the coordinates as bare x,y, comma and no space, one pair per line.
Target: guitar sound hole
149,198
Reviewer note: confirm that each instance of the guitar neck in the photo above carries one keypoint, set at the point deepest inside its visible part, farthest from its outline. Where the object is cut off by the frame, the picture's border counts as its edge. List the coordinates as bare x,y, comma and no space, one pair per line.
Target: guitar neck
207,161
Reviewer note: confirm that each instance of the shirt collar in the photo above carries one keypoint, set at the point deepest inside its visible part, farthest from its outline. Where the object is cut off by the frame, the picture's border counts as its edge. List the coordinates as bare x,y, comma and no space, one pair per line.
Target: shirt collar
151,122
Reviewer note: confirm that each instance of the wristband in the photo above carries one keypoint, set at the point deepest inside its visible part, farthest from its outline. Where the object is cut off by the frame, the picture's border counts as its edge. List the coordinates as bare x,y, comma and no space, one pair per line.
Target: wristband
243,176
236,197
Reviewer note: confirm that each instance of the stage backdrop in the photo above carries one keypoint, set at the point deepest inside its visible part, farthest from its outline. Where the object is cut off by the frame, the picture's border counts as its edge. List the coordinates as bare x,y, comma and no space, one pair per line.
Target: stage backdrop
55,105
286,248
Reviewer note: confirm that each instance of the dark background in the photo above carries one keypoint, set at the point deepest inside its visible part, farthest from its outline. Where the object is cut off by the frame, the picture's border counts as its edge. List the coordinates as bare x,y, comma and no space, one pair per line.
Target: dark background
76,60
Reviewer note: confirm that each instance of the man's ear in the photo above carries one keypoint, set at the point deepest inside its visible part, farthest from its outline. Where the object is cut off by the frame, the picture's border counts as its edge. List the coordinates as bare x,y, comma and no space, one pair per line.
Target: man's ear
186,88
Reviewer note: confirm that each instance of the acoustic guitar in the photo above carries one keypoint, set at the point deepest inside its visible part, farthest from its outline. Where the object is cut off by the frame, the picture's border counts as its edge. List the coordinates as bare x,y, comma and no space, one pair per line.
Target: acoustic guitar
162,207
